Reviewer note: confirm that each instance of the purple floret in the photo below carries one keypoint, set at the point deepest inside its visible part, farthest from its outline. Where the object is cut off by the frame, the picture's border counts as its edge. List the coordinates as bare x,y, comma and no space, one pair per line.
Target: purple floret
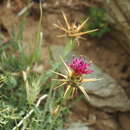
79,66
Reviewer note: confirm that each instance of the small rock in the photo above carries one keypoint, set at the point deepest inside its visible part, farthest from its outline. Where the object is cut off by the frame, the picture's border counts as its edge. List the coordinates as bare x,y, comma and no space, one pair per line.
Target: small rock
105,122
106,93
124,120
78,126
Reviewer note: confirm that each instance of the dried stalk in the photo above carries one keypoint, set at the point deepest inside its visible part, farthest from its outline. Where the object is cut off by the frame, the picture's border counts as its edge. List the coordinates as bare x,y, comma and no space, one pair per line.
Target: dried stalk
30,112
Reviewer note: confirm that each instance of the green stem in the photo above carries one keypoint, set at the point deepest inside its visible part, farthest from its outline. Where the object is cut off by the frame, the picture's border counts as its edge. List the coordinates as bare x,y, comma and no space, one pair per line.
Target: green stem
69,46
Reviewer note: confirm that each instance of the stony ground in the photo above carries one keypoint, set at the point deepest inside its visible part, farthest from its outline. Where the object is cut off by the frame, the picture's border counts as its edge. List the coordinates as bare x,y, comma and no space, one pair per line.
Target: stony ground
104,52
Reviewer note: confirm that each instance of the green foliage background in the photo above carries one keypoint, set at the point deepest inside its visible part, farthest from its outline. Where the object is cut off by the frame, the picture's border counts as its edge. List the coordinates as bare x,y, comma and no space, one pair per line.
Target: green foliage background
98,19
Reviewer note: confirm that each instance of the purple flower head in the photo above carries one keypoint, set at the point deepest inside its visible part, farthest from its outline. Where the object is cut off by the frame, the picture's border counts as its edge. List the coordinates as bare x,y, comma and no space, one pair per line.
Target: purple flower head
79,66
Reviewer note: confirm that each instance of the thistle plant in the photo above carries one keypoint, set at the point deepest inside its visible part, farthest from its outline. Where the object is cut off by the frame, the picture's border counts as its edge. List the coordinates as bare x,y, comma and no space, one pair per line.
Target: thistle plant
72,30
73,79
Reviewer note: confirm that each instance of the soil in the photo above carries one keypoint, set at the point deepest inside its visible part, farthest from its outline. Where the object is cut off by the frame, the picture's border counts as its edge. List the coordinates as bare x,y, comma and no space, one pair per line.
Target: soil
105,52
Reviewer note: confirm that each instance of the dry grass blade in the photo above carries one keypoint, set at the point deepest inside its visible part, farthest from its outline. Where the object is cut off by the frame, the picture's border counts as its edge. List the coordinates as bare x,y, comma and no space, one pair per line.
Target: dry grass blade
60,85
73,92
68,88
62,80
82,33
90,80
59,74
66,21
61,28
84,92
68,69
60,36
81,26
